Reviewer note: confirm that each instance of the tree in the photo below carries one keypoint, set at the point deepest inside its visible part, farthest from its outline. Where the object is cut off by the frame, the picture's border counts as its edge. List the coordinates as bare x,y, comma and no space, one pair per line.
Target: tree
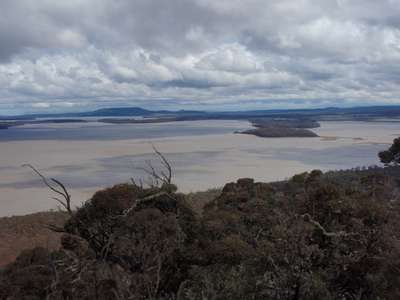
392,155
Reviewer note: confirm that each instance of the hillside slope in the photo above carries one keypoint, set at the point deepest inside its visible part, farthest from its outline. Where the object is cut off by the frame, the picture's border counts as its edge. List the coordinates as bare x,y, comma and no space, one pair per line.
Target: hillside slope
25,232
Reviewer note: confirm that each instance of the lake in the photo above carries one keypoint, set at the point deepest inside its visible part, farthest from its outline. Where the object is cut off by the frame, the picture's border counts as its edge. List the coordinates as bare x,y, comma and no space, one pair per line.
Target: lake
204,154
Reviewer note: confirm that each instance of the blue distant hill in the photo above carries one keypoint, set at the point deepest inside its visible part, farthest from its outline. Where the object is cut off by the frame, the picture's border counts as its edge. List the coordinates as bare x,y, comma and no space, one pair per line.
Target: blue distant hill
319,113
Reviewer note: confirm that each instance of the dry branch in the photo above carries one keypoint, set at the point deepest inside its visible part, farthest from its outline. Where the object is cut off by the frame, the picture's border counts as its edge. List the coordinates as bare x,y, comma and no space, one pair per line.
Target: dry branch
158,176
57,187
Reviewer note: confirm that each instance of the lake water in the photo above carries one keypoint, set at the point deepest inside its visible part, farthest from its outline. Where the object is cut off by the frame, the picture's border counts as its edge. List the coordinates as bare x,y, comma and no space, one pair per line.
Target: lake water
204,154
95,131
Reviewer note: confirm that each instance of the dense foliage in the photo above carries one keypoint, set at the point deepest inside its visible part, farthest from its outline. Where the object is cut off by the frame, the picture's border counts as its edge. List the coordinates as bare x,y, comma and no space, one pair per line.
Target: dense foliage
392,155
314,236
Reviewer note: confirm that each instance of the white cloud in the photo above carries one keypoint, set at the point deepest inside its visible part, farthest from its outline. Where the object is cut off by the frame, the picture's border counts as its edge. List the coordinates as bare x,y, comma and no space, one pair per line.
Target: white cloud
70,38
94,53
230,58
41,105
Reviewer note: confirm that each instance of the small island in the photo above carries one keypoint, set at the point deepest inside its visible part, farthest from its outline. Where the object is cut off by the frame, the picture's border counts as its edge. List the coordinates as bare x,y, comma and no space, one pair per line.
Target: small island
277,132
277,128
284,123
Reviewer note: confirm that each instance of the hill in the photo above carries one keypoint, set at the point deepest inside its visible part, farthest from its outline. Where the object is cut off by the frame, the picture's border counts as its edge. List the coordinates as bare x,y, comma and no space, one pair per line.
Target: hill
118,111
25,232
335,113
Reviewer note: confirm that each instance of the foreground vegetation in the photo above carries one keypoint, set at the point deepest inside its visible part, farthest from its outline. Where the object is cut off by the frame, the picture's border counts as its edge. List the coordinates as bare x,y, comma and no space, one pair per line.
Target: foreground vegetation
314,236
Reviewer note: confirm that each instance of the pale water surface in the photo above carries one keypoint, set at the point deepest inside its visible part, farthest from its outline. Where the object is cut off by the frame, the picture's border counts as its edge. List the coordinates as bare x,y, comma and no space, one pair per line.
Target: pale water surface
204,154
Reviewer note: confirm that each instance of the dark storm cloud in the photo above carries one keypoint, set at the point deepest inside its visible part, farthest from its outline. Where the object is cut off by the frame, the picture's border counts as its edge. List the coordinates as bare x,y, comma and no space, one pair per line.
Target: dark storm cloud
76,54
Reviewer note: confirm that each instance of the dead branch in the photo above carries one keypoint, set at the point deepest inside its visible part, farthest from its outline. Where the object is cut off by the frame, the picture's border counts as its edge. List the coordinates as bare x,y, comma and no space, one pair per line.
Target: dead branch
127,211
167,177
163,176
308,218
57,187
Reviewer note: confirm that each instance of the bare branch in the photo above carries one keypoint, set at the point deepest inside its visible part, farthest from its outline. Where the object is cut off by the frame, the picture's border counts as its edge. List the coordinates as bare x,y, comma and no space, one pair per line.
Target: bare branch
59,189
306,217
166,164
65,192
61,202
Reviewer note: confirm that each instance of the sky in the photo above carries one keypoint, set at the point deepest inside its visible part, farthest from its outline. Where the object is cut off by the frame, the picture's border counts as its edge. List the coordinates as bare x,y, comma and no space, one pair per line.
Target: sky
78,55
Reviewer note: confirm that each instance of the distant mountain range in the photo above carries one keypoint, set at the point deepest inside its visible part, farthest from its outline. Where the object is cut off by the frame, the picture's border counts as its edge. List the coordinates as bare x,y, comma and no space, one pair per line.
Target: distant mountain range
104,112
320,113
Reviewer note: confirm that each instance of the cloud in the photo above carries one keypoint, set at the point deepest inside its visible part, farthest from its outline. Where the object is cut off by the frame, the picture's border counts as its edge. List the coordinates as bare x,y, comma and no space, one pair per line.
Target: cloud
41,105
180,53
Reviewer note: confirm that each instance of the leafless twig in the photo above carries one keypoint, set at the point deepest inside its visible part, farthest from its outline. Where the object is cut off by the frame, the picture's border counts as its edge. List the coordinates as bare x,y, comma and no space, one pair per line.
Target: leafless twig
167,177
163,176
57,187
306,217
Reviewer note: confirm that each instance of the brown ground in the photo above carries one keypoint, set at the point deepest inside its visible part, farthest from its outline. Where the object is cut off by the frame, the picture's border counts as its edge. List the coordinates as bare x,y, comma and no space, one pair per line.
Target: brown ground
24,232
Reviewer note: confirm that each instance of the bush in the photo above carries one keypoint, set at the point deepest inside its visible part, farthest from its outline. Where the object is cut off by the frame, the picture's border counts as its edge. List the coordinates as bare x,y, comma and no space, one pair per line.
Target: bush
316,236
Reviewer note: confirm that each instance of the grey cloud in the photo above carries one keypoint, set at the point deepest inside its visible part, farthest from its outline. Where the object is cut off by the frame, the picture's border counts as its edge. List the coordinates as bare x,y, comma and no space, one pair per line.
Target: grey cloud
60,55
